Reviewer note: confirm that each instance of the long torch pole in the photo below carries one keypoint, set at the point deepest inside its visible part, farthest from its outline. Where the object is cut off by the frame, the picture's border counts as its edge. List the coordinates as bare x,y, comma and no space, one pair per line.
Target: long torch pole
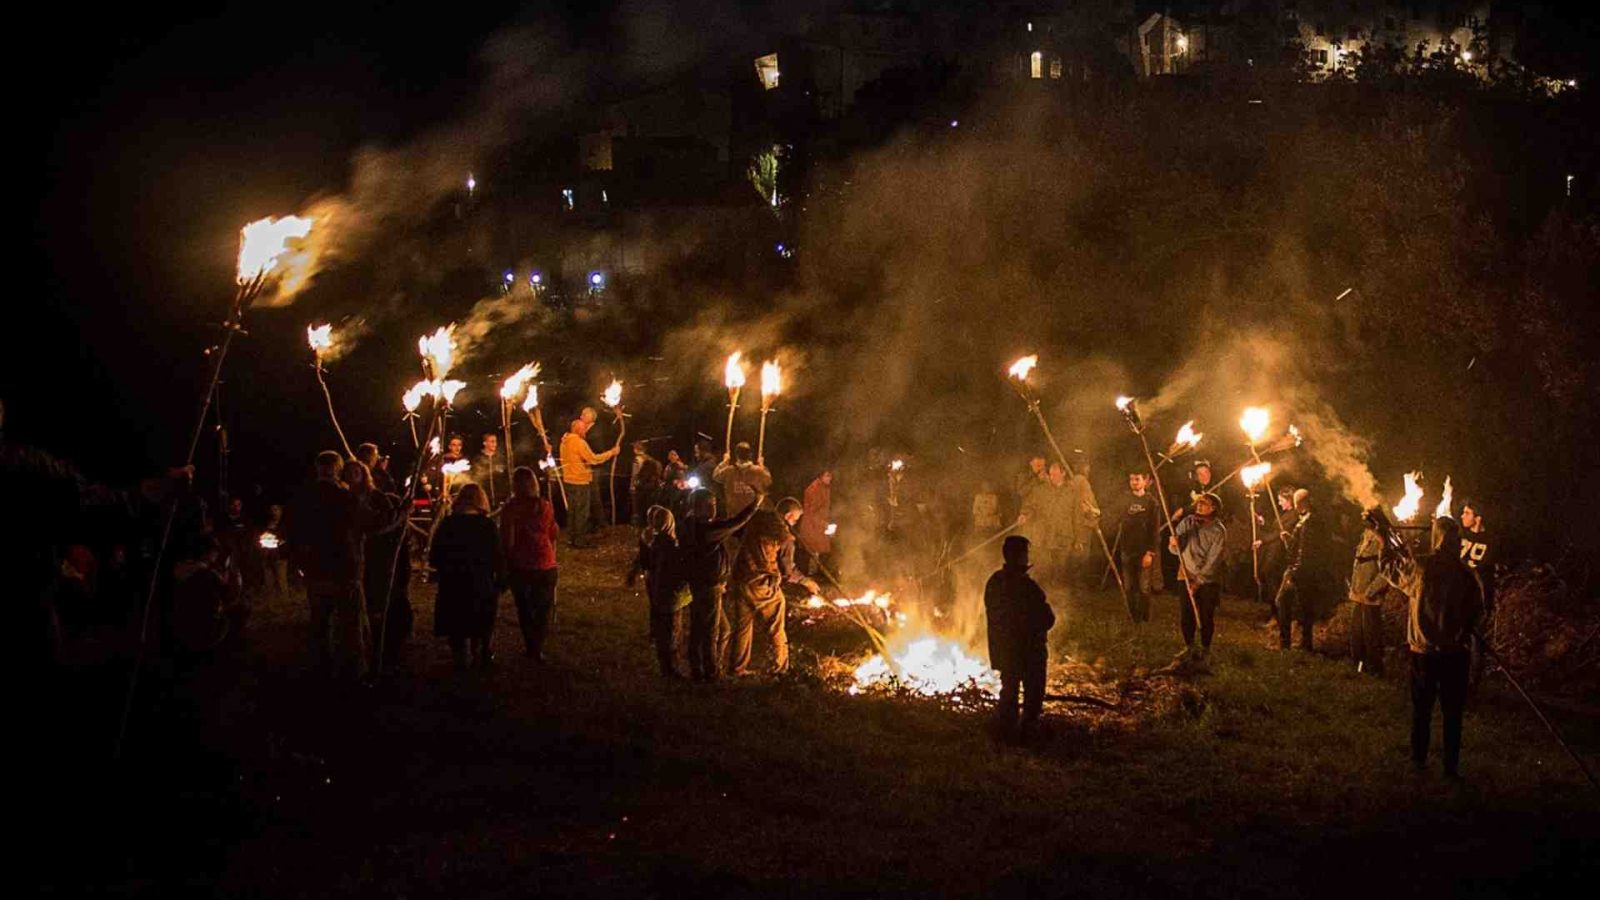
537,418
242,299
1166,515
1033,407
733,407
622,429
505,421
1255,550
399,547
349,454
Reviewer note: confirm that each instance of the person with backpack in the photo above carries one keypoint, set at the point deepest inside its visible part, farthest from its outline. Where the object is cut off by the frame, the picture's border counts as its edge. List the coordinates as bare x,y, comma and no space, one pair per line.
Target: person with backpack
528,535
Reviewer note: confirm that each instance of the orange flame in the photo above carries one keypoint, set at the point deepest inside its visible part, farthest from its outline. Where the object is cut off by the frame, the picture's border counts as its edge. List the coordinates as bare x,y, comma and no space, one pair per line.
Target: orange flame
449,390
1023,367
1408,505
320,337
1187,436
613,394
439,349
1254,475
771,379
733,372
413,398
897,465
1254,422
531,402
517,381
1442,511
264,241
1123,402
269,541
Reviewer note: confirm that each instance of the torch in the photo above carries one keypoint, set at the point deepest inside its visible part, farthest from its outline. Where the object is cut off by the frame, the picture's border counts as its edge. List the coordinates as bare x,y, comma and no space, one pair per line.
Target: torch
320,337
412,399
1252,476
733,378
1254,422
531,406
613,398
509,392
1018,376
1186,441
1442,511
261,245
771,386
1129,407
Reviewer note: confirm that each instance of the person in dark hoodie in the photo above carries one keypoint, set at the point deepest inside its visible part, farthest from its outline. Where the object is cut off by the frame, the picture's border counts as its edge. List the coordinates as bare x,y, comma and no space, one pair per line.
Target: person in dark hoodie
703,541
528,536
1019,621
1139,524
1445,604
665,590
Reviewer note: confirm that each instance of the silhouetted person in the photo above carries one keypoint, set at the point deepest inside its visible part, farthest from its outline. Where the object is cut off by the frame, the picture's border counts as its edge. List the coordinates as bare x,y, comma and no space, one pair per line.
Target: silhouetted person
1019,621
466,555
658,560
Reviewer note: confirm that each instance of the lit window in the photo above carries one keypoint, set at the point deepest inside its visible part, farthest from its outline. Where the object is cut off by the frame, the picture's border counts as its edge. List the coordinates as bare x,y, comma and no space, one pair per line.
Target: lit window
1036,65
1055,67
767,70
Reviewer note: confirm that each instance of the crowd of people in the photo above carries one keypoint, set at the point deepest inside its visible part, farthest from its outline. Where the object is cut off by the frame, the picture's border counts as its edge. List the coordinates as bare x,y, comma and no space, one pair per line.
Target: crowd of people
722,562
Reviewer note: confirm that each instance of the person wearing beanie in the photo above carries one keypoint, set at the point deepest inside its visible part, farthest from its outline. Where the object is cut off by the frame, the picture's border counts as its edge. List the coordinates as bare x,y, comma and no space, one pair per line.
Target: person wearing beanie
1198,540
1019,622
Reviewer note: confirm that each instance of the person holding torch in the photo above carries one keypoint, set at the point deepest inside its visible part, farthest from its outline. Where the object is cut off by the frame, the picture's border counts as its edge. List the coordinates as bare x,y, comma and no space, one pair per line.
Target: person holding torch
577,474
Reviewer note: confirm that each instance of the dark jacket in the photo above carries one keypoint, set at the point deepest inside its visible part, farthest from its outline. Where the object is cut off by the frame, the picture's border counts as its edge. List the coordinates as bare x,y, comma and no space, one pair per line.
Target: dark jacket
381,552
705,550
1139,523
466,554
1019,619
327,528
1445,601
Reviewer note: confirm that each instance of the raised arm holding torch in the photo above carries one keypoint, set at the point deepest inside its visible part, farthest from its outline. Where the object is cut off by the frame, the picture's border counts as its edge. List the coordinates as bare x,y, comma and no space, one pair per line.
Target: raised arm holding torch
1130,412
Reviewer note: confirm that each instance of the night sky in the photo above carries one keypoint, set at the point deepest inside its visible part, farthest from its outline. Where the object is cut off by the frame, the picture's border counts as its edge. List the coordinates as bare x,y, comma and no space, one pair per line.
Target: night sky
149,147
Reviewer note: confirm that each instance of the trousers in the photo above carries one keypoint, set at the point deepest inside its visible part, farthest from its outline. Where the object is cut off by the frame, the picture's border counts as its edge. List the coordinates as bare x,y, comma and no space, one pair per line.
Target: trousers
707,631
1027,680
534,593
580,508
1208,597
1366,636
1440,677
761,602
338,627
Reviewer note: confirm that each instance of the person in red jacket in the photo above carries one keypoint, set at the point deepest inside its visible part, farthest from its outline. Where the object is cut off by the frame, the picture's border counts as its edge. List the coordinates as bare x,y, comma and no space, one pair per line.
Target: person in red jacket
528,538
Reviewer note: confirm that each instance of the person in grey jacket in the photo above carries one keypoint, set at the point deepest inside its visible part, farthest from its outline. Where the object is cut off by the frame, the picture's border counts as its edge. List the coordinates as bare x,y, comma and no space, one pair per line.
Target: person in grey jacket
1198,540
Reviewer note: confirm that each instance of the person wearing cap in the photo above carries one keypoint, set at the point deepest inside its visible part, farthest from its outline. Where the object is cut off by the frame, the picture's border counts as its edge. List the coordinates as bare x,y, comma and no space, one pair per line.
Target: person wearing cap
1019,620
1198,540
1444,606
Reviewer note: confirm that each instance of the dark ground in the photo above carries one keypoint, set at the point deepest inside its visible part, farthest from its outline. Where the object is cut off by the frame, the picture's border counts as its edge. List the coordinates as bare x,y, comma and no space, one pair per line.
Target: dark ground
1280,775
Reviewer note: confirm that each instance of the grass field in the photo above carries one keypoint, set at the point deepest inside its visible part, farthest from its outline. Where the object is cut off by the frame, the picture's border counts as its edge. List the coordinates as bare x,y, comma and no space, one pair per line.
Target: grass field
1278,775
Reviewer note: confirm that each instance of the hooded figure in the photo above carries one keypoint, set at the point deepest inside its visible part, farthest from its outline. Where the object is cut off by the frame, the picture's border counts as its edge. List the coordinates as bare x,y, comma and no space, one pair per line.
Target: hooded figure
1019,621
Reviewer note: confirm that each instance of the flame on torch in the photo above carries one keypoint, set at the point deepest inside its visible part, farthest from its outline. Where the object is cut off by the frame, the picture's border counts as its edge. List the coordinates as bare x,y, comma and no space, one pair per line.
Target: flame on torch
518,381
449,389
1024,366
1123,403
1442,511
1254,475
1408,506
320,337
412,398
434,447
531,402
263,241
1187,436
897,465
733,372
459,467
613,394
269,541
1295,433
771,380
832,529
439,349
1254,422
